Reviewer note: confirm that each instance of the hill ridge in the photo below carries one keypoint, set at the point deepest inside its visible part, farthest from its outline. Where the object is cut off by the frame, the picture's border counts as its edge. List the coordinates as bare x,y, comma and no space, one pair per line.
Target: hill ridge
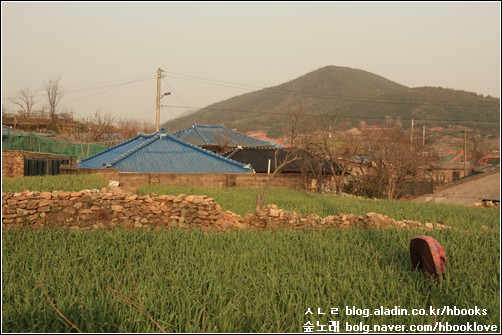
340,92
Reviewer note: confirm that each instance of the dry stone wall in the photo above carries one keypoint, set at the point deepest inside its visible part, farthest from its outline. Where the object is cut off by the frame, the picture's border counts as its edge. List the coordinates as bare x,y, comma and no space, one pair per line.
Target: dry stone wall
12,163
94,209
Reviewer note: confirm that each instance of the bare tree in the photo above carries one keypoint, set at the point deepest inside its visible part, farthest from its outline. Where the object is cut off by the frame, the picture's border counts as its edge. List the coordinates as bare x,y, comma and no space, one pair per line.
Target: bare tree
128,128
54,95
346,156
336,149
395,161
340,151
25,99
287,155
479,149
100,125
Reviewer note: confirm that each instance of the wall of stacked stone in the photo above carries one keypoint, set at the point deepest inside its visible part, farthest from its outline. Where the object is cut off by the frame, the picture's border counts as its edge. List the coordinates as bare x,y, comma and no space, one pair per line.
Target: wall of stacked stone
273,217
12,163
96,209
102,209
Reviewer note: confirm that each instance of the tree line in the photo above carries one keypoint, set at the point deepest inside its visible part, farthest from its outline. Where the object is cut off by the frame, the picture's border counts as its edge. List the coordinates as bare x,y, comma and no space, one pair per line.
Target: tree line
96,128
26,98
373,161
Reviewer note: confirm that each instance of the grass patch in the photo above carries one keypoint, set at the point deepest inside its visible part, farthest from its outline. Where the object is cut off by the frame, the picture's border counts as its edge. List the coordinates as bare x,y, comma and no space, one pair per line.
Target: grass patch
242,201
68,183
248,281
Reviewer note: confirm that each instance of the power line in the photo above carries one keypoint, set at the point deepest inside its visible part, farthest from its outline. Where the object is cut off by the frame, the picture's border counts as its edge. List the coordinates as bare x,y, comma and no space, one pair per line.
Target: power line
114,85
109,89
213,81
183,101
115,82
331,116
180,98
275,90
94,85
330,96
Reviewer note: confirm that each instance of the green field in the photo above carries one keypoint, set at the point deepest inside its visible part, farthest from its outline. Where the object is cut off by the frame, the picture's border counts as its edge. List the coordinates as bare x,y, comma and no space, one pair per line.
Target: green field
66,183
248,280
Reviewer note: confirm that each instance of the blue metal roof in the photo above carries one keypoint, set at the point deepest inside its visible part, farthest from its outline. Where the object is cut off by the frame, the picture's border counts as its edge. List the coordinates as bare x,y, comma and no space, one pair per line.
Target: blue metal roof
201,135
8,131
162,153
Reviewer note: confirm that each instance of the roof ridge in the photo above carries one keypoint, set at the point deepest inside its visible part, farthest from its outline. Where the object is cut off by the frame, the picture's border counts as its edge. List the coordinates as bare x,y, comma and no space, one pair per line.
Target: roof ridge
183,130
133,150
261,147
235,132
231,153
242,134
208,152
201,136
140,134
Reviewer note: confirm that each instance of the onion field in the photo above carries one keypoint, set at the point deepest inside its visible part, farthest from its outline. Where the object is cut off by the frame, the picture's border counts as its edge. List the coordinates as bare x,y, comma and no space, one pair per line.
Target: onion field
56,280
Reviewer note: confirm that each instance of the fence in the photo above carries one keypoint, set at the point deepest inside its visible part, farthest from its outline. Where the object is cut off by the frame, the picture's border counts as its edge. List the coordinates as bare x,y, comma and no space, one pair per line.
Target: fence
35,143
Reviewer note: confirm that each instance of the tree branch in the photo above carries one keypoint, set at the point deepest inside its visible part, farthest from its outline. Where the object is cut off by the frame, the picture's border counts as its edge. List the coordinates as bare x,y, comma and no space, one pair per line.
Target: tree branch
128,301
54,306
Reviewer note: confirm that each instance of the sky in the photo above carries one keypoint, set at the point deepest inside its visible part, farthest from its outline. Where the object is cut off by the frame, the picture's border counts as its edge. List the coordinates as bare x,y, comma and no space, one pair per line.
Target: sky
106,55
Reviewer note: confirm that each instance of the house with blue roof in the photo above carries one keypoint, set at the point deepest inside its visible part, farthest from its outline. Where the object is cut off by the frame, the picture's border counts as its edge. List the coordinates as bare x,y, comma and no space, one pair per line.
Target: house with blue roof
218,138
162,152
9,132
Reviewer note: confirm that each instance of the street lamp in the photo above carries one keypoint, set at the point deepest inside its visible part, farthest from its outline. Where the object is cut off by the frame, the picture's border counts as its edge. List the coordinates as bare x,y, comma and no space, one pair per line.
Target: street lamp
157,124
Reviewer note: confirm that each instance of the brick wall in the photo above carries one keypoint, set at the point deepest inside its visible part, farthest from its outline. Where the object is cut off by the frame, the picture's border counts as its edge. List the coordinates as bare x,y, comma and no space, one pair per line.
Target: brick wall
248,180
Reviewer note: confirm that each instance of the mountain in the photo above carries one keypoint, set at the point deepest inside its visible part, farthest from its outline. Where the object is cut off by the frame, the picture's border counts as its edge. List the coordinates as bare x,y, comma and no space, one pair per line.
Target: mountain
185,114
343,93
431,106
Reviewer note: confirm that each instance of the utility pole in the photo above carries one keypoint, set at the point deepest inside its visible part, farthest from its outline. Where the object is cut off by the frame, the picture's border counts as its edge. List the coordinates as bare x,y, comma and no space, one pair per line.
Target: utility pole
157,121
423,135
465,152
411,136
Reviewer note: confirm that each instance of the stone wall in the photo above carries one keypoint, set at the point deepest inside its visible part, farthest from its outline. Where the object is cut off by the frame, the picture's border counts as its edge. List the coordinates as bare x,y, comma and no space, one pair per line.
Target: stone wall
96,209
12,163
103,209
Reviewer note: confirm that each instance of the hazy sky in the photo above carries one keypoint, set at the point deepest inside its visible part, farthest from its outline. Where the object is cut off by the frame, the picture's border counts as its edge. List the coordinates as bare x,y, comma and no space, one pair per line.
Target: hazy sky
107,54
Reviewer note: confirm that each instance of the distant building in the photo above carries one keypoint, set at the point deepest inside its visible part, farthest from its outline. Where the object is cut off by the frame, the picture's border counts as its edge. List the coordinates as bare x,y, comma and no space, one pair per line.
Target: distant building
218,138
9,132
267,159
451,167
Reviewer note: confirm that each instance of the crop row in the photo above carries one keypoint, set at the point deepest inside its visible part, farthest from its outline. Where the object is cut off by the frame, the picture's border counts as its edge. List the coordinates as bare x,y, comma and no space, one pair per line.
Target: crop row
239,281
